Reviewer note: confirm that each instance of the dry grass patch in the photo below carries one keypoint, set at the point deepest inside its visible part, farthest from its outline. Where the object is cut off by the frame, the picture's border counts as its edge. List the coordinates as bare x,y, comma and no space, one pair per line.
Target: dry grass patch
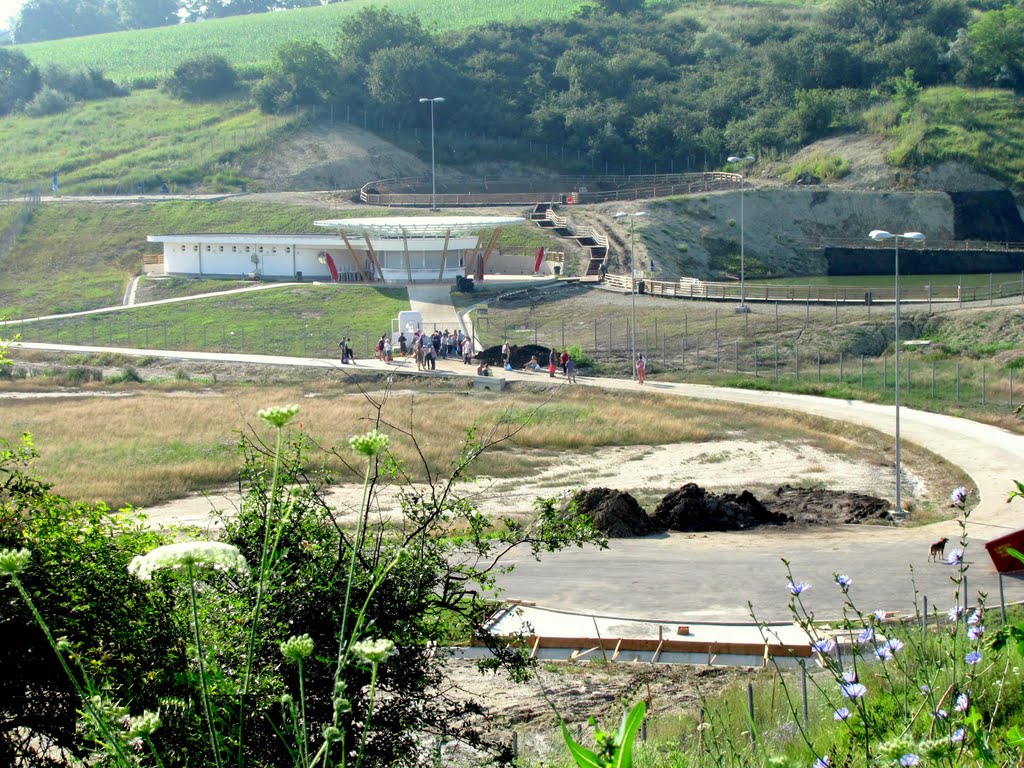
155,446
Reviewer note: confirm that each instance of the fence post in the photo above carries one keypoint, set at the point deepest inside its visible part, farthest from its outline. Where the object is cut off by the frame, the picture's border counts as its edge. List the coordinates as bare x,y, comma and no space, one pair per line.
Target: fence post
750,710
803,686
718,354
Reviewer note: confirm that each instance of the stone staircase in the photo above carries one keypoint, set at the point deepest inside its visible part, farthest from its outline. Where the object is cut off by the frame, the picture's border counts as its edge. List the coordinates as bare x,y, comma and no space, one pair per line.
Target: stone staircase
595,243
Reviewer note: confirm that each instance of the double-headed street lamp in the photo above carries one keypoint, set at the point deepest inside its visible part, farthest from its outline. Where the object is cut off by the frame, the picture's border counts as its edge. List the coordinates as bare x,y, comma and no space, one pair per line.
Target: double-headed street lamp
881,234
743,183
632,288
433,174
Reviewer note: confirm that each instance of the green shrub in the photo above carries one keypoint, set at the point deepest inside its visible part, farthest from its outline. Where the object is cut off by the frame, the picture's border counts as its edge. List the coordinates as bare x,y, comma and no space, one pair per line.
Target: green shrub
125,375
577,353
819,167
48,102
205,77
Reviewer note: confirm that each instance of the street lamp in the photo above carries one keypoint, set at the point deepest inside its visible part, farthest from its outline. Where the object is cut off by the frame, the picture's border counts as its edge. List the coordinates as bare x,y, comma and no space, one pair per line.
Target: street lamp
743,183
881,234
433,174
632,289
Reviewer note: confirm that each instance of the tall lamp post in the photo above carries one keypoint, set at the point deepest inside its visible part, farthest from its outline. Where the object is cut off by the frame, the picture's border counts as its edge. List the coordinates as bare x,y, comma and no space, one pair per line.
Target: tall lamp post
433,174
881,234
632,289
743,183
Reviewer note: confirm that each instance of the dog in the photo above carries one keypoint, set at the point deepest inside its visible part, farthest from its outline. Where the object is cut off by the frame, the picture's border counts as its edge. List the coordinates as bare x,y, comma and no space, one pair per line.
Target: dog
938,549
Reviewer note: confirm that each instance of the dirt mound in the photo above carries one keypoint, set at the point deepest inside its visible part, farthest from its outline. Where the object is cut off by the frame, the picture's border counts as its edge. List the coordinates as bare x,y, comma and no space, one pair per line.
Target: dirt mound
520,355
615,513
823,507
691,508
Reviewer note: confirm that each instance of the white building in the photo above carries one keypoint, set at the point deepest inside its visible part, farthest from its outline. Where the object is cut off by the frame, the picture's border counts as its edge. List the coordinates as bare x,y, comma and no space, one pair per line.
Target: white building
398,249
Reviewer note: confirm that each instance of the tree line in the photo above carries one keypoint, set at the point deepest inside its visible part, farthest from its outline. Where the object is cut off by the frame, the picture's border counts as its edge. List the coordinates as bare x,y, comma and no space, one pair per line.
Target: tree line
623,81
650,82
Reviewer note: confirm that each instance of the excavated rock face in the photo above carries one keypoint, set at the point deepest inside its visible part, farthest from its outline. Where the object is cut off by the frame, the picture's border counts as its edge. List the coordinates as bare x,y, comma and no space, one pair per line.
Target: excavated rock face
691,508
615,513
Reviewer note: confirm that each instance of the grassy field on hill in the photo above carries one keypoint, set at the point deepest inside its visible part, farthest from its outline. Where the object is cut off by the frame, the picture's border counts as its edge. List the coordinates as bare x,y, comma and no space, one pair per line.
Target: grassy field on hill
295,320
107,147
984,127
248,41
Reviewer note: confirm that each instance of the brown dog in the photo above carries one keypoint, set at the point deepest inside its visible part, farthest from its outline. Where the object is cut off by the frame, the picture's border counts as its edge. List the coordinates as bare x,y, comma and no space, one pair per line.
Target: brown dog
938,549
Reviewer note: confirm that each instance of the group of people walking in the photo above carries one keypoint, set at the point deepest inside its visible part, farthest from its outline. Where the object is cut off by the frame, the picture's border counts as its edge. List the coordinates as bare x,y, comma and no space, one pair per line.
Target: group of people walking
426,348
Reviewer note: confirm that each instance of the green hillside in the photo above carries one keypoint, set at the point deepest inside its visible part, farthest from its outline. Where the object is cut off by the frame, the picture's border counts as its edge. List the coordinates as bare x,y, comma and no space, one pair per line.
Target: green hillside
107,147
248,41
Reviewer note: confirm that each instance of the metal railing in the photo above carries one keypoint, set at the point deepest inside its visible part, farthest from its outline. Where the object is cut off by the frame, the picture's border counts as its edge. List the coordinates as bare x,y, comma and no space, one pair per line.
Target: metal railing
691,288
405,191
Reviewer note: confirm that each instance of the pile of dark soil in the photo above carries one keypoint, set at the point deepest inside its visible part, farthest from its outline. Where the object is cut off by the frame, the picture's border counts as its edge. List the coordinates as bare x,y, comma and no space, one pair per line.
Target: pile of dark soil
822,507
691,508
615,513
520,355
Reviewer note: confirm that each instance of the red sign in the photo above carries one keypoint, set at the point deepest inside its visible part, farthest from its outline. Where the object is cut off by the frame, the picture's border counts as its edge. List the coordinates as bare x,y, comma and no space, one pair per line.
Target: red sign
1003,560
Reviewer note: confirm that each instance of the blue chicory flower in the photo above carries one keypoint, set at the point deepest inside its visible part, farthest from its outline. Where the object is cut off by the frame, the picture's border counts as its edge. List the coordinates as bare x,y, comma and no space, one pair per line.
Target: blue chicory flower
823,762
853,690
975,632
841,714
955,613
910,759
883,653
825,646
957,736
956,557
962,703
796,589
843,580
972,658
941,714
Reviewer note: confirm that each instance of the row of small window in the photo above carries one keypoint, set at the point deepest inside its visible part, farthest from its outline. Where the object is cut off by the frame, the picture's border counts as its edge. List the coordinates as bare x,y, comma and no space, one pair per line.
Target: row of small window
234,248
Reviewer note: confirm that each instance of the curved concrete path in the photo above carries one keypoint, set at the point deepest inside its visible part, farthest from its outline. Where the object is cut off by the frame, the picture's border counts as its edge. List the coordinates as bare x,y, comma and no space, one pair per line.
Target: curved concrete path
710,577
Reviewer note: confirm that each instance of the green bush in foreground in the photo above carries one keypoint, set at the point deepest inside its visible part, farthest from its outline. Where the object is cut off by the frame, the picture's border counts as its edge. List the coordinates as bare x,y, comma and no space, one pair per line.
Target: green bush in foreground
293,641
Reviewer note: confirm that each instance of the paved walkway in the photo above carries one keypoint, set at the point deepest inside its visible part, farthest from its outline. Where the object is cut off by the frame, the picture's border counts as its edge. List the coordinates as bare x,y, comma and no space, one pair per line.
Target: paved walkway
710,577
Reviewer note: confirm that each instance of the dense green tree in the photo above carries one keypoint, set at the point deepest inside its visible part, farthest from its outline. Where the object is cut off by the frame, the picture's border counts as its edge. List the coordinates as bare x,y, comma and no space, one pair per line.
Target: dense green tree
141,14
373,29
996,48
19,80
54,19
206,76
397,77
301,73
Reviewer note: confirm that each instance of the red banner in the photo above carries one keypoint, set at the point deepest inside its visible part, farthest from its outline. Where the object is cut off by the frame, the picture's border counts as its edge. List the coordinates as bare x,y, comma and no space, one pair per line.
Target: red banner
540,258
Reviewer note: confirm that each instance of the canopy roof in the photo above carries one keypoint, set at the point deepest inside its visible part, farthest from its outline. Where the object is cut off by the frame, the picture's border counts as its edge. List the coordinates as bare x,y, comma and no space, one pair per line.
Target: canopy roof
419,226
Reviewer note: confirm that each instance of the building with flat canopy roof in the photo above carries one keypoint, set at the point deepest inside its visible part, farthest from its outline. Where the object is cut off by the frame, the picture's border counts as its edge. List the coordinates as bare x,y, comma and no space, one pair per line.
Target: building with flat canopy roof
396,249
